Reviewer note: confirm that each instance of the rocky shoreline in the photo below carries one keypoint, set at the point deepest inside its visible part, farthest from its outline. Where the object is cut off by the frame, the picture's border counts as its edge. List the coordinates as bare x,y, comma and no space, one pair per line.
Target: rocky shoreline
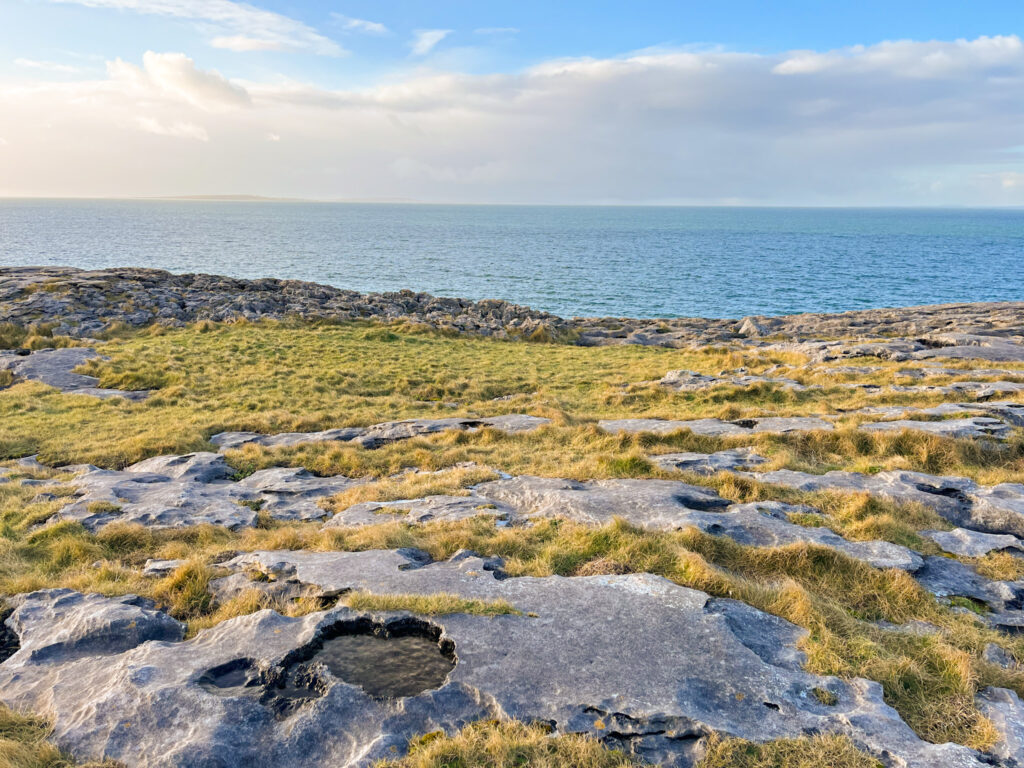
84,303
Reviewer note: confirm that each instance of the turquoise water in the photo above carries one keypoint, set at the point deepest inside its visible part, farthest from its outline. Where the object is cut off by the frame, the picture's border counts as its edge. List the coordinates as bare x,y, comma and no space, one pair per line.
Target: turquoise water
624,261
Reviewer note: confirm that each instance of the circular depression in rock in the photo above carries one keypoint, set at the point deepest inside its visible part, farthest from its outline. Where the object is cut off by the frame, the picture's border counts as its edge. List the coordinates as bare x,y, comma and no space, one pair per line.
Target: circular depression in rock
391,661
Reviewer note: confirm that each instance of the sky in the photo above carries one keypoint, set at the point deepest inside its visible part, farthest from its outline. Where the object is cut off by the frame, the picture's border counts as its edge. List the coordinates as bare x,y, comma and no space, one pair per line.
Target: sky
727,103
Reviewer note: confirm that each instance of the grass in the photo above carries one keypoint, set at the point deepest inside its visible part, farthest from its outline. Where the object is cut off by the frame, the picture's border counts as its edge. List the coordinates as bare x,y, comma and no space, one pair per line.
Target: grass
430,605
24,744
272,377
512,744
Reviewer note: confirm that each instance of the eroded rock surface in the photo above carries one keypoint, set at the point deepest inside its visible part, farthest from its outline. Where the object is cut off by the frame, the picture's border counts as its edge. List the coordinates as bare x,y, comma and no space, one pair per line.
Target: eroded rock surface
717,427
991,509
380,434
55,368
176,491
965,543
249,692
427,509
692,381
709,463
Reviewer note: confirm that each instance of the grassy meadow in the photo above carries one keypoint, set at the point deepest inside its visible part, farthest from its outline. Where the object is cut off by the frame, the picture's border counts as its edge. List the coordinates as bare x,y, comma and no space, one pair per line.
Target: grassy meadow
273,377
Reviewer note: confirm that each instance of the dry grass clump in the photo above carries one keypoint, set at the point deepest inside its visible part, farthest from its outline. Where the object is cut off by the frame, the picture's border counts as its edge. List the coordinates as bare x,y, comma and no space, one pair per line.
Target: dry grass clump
437,604
509,744
512,744
822,751
24,744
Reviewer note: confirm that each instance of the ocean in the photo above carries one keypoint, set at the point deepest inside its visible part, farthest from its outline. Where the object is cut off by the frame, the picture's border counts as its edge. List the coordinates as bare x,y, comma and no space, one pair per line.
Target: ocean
573,261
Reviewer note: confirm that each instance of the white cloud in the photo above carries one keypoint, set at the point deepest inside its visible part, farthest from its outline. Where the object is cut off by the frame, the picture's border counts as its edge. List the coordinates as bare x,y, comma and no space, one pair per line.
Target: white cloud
178,130
657,126
273,137
496,31
424,40
237,21
242,44
3,142
360,25
48,66
909,58
175,75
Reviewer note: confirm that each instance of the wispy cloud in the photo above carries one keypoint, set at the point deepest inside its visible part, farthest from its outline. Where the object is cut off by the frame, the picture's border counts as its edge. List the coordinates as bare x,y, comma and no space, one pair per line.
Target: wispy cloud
48,66
242,27
360,25
178,130
496,31
424,40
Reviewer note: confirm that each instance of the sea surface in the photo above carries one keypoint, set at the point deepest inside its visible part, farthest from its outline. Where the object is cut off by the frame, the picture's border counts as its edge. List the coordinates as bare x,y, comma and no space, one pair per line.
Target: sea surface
573,261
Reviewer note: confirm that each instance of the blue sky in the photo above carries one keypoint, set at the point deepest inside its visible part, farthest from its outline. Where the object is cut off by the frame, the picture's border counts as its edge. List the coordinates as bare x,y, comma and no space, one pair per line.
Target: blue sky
665,102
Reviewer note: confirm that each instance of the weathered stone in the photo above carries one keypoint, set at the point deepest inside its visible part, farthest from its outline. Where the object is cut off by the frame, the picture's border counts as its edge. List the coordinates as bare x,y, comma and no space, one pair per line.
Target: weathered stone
993,509
647,503
176,491
427,509
993,654
766,524
158,568
709,463
945,577
380,434
54,368
1005,710
717,427
60,625
977,426
572,658
965,543
692,381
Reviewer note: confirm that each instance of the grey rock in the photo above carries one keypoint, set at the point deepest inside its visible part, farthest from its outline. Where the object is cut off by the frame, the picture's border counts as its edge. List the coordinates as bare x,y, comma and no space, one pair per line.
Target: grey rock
660,504
416,511
290,493
380,434
977,426
1006,712
717,427
944,577
709,463
195,489
965,543
992,509
993,654
158,568
692,381
766,524
58,625
572,659
54,367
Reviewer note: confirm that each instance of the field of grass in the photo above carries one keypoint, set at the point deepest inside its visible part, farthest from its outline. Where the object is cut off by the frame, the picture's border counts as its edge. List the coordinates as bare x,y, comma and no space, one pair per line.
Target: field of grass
273,377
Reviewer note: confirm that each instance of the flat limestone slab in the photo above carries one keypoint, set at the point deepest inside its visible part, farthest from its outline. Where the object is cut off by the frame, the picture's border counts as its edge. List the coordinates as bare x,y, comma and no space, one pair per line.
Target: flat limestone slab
380,434
574,658
54,367
717,427
995,509
193,489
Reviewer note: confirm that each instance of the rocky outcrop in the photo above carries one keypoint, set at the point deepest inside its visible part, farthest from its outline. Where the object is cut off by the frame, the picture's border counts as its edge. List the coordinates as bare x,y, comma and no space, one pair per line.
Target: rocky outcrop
381,434
717,427
85,302
195,489
731,460
992,509
256,691
55,368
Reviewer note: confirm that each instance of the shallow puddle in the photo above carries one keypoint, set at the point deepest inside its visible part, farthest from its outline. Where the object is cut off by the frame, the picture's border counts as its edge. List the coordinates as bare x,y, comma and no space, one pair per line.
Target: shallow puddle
387,667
